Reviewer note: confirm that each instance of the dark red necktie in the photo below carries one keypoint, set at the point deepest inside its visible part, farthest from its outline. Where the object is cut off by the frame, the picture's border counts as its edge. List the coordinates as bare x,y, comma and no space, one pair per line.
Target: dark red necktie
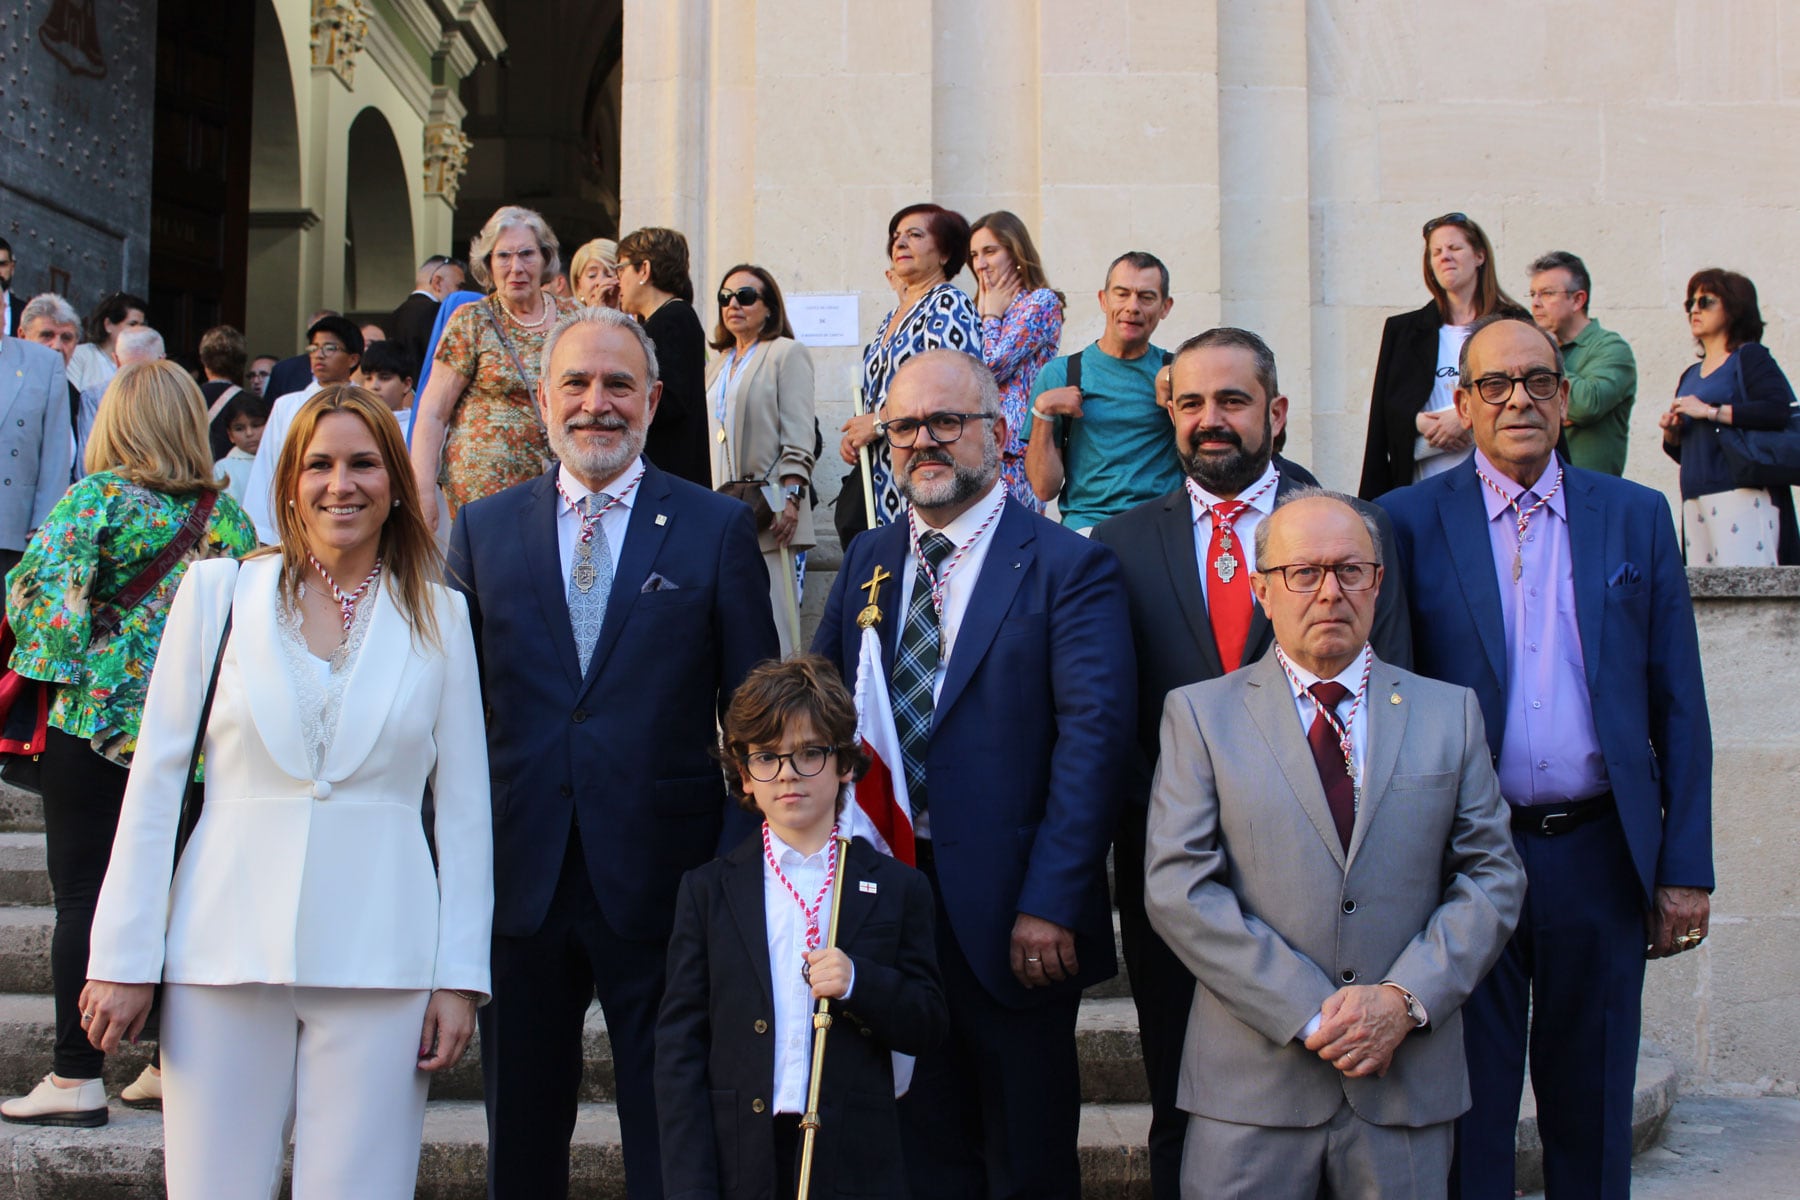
1227,586
1328,756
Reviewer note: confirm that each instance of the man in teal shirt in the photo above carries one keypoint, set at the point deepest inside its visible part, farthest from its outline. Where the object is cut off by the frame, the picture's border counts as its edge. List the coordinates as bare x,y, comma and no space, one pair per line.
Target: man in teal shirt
1107,445
1601,369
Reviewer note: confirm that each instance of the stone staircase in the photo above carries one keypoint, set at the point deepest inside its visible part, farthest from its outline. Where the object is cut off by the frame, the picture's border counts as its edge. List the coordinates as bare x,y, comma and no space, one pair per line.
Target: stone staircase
123,1160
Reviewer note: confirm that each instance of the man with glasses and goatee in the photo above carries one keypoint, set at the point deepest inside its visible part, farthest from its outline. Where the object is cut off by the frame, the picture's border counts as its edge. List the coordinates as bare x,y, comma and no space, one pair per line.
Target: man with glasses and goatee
1559,596
1004,638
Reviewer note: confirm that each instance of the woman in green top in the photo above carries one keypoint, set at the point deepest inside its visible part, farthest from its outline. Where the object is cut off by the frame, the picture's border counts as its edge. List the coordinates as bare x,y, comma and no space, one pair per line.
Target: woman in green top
148,465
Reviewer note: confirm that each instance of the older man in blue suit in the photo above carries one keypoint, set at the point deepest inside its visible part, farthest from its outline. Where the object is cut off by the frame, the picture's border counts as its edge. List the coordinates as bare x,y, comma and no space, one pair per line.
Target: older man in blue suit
615,609
1008,649
1559,596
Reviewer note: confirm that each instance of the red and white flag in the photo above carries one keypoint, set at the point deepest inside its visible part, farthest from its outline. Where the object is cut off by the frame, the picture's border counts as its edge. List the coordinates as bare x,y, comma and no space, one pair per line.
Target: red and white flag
881,813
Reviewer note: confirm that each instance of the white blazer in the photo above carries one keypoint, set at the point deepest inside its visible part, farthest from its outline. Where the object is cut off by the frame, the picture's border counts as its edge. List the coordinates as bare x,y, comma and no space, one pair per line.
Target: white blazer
292,879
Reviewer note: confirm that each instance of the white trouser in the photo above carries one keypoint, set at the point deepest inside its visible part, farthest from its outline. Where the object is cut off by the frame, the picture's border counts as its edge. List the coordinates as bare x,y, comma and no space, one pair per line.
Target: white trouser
242,1065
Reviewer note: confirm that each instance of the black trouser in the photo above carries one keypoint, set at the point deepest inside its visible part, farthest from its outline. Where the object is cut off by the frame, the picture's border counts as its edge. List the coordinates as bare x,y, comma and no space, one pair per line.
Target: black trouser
82,794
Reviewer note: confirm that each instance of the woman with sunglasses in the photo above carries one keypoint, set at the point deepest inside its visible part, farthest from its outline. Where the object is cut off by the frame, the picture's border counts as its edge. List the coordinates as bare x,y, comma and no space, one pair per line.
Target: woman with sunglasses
1414,431
1736,382
759,411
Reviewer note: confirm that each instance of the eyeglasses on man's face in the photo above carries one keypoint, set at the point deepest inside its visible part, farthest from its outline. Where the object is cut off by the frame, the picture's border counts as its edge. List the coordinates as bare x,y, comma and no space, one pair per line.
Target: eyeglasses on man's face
944,428
1547,294
1310,577
765,765
1540,385
325,349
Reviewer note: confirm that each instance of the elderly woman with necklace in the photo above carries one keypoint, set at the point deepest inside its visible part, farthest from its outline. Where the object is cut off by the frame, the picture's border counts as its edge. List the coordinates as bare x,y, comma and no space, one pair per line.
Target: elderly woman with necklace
927,245
477,429
315,960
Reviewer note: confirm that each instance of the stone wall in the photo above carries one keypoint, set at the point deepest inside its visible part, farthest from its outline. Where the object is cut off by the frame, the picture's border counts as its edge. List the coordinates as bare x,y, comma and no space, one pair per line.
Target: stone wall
1726,1013
77,86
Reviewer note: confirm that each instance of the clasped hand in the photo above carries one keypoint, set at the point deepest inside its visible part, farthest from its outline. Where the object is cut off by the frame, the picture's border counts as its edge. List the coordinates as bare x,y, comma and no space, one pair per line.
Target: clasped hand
1362,1026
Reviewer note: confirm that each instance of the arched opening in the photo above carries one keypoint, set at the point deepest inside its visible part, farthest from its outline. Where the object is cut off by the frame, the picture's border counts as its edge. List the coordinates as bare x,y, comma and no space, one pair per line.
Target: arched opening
378,230
278,217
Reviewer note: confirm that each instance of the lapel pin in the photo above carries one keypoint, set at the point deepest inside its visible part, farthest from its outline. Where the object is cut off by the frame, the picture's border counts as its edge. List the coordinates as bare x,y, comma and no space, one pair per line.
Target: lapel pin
1394,699
867,885
661,519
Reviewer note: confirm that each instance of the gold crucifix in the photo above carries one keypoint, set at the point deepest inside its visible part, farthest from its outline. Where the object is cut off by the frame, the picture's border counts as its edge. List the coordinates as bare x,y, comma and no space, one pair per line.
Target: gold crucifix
867,618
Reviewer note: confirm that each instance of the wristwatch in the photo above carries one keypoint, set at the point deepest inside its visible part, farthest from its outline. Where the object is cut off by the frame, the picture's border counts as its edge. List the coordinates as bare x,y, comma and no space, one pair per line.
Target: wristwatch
1415,1012
791,493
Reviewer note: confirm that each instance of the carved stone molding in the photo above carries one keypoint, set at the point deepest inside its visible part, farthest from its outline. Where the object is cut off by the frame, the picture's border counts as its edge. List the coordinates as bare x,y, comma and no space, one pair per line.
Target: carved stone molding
446,158
339,29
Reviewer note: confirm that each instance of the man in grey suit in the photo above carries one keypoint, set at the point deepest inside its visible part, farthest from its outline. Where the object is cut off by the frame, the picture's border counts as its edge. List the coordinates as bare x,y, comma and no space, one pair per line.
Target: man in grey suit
1328,853
35,441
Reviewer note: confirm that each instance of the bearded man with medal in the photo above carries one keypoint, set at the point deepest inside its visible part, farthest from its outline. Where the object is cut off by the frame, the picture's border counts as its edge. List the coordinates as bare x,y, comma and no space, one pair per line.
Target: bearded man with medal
1188,558
1005,642
1559,596
1327,853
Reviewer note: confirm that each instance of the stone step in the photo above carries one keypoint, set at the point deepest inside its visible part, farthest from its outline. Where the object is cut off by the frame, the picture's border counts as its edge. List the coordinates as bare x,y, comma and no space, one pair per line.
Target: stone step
25,949
124,1158
20,812
1105,1037
23,878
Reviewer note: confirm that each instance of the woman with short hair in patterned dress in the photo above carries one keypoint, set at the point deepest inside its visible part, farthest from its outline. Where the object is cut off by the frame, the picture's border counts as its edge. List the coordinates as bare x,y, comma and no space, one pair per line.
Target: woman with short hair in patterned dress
477,430
927,246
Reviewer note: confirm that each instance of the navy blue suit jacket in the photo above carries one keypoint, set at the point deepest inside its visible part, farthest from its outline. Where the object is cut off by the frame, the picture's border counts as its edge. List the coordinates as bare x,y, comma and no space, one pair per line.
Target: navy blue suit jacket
1031,736
625,749
1638,644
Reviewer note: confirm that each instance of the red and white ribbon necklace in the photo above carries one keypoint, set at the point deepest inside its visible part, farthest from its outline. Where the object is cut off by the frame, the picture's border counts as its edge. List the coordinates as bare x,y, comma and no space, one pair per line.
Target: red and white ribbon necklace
813,936
940,582
591,523
1525,516
346,603
1227,564
1341,728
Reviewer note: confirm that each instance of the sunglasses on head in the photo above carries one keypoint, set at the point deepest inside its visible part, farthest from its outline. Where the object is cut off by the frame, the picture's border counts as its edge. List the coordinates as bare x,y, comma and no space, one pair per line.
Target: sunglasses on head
745,297
1454,218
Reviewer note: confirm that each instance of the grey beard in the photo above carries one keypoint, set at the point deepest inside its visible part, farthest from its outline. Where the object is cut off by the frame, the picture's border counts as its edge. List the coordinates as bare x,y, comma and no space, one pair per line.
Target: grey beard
965,483
596,463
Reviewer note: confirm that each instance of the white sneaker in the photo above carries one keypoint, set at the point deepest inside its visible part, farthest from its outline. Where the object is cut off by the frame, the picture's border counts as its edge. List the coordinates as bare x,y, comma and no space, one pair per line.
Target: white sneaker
145,1091
83,1105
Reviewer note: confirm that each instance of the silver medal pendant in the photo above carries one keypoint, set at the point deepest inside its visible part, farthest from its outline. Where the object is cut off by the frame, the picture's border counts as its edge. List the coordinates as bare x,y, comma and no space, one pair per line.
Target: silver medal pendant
584,574
1226,566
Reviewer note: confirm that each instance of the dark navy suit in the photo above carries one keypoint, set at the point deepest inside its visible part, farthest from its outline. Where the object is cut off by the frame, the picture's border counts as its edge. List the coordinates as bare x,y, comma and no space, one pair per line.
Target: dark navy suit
1029,747
1583,934
604,793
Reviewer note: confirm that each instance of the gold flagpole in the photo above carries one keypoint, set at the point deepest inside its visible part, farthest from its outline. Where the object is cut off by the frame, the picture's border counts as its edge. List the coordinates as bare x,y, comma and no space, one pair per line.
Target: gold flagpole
809,1123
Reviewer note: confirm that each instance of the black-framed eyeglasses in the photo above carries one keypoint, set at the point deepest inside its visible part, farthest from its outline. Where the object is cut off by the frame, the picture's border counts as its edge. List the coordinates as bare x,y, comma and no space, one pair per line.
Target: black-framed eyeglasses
1541,384
1451,218
765,765
745,297
1701,302
1310,577
944,428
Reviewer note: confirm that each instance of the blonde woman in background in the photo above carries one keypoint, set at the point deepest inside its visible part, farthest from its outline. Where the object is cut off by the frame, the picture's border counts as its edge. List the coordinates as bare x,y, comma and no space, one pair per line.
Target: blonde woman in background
594,273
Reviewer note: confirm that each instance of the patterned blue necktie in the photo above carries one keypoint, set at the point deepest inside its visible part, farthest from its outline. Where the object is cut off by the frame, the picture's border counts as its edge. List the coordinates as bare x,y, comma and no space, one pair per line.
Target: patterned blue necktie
915,667
590,581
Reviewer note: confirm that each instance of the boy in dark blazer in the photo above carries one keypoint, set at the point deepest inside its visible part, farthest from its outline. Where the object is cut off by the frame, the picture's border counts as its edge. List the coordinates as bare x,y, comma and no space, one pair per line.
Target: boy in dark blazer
747,960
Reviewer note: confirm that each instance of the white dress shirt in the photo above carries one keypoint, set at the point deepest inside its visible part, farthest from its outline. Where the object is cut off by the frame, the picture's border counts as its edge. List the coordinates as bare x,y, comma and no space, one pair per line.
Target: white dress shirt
786,927
613,522
1243,530
259,489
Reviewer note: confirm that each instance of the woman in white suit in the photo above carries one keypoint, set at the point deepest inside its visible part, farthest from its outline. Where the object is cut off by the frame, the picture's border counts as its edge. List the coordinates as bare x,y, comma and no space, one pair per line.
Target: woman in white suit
314,962
759,411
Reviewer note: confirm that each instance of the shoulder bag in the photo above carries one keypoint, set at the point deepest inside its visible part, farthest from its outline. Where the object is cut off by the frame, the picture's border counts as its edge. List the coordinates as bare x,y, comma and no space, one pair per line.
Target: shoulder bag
25,702
1761,458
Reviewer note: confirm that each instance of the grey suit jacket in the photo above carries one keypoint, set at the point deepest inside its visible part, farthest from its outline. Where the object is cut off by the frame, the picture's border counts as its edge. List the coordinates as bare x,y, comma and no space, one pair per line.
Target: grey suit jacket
773,433
36,443
1246,880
